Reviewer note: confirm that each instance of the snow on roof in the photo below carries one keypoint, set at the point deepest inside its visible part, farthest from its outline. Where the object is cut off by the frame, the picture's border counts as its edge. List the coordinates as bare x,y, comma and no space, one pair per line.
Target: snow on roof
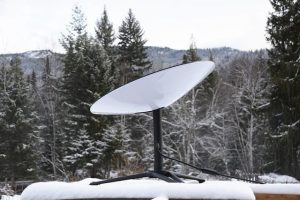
293,189
138,189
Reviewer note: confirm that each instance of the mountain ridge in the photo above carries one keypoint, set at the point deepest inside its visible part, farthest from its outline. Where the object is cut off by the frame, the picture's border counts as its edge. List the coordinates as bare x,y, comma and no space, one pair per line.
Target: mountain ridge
161,57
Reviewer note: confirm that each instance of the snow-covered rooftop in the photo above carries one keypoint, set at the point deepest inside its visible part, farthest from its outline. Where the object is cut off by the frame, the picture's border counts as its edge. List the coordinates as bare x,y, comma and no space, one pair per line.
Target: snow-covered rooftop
293,189
153,189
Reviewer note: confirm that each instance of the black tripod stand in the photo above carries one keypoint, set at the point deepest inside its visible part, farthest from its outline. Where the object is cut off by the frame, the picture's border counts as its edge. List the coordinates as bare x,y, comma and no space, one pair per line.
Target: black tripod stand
158,171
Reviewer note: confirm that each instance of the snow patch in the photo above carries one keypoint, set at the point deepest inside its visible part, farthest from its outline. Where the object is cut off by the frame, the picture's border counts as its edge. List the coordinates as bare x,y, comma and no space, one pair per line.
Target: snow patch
15,197
38,54
276,178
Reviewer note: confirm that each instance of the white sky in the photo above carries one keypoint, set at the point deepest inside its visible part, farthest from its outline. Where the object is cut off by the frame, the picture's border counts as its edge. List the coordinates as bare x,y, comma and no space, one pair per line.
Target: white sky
38,24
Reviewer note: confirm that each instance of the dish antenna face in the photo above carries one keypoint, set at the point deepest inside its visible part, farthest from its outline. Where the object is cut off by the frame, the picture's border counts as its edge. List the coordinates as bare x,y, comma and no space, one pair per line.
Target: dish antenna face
154,91
151,93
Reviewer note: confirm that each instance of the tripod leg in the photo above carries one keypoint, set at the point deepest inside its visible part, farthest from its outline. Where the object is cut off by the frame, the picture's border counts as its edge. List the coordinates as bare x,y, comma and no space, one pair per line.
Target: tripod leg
161,176
135,176
190,177
173,176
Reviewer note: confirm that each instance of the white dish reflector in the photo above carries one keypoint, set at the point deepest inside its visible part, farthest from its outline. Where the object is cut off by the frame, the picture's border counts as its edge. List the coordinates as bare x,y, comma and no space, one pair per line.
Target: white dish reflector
157,90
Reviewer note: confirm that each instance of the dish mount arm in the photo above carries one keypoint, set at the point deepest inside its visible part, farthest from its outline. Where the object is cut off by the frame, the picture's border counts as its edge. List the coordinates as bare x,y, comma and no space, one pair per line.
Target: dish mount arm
158,159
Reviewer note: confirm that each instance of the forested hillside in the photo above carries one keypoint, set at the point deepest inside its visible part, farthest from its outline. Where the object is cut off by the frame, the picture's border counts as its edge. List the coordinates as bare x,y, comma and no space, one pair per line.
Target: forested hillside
161,57
242,120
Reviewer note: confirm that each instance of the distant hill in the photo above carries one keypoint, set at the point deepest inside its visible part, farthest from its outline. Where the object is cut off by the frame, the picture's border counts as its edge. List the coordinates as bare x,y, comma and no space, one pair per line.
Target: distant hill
161,57
35,60
164,57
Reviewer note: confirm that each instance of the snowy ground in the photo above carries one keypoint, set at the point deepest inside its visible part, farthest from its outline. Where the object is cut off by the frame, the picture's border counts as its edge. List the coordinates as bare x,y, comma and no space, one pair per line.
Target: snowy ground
275,178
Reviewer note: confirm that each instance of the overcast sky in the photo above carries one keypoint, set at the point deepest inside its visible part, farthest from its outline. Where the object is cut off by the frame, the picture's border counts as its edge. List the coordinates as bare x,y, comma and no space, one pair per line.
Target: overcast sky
38,24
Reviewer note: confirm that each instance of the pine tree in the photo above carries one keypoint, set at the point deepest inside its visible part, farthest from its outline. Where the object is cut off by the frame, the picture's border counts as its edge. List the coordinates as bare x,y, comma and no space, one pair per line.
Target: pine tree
35,104
191,54
211,56
116,147
105,33
134,63
106,37
283,29
48,102
132,50
87,76
17,128
33,80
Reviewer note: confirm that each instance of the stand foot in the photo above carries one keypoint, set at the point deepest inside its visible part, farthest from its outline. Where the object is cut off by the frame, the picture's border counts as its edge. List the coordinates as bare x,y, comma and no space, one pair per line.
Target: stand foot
173,176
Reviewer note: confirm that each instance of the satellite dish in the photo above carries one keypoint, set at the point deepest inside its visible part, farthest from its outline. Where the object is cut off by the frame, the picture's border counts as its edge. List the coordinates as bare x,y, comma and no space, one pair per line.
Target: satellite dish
151,93
154,91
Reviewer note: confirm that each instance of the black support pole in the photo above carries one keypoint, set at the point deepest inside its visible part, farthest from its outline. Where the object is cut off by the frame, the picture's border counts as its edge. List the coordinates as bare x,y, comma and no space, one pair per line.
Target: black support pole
157,141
